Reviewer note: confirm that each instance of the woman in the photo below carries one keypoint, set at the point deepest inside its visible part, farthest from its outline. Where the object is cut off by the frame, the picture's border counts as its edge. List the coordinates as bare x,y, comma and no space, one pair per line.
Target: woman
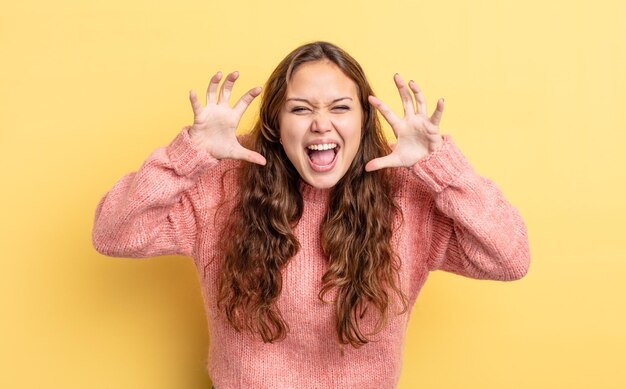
306,234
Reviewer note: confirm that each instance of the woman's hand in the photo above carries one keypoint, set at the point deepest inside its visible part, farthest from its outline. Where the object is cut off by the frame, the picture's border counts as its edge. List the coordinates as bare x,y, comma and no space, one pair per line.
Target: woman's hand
417,134
214,126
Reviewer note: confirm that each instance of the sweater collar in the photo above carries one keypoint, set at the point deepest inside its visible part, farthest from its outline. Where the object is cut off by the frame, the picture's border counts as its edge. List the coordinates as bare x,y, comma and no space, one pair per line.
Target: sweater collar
311,193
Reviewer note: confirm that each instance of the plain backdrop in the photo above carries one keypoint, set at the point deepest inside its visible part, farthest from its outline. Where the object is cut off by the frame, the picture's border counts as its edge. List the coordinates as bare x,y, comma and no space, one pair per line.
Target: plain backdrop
534,93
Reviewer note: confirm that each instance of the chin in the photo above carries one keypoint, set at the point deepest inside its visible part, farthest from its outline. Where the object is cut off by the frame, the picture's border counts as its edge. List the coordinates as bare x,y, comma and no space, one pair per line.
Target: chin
322,182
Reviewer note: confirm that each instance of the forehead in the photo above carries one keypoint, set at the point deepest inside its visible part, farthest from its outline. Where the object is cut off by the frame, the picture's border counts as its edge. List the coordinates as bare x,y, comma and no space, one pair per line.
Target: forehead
320,81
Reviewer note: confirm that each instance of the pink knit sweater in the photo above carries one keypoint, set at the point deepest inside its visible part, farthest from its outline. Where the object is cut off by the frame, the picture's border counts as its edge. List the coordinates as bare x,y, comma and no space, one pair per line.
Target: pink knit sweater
454,220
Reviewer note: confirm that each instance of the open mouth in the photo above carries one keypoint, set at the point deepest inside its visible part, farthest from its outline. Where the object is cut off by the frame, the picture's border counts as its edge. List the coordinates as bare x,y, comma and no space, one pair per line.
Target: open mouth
322,157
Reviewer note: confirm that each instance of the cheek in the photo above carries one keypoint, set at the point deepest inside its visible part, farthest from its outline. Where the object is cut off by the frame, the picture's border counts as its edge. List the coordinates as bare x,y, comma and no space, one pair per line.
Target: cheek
351,129
292,128
291,138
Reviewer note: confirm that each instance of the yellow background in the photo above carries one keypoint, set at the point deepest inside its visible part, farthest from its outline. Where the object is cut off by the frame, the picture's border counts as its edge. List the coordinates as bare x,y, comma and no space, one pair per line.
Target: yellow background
534,95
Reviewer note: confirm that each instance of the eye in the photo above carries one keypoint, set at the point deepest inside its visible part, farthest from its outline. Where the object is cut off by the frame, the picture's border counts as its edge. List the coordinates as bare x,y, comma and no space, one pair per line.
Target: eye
341,108
299,109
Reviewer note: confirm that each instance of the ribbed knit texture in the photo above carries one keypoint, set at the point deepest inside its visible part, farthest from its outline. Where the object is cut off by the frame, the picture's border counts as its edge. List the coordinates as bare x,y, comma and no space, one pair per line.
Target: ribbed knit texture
453,220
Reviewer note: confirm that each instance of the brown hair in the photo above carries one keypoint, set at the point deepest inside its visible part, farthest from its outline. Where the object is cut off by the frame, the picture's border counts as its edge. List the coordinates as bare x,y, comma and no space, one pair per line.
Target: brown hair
258,240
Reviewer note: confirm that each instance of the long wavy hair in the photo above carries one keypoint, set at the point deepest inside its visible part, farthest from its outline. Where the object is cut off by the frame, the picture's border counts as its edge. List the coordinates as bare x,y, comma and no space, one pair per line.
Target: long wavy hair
258,241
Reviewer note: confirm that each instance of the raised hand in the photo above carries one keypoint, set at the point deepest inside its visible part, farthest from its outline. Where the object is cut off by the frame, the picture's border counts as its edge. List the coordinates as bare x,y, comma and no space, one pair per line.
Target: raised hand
417,134
214,125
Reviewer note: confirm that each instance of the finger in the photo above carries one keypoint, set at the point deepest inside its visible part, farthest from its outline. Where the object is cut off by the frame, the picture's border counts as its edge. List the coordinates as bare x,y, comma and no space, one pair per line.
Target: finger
387,113
195,104
246,99
436,117
248,155
227,87
383,162
419,97
211,93
405,95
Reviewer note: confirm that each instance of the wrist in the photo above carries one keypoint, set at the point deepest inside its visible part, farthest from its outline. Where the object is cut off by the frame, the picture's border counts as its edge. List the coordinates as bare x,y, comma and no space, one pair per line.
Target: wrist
436,145
197,139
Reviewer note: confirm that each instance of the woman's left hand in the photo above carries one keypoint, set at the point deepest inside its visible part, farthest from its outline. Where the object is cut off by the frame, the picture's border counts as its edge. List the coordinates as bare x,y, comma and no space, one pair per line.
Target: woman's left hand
417,134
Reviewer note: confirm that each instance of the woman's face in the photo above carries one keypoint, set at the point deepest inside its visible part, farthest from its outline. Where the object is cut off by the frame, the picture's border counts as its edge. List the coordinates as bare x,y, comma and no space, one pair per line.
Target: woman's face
320,122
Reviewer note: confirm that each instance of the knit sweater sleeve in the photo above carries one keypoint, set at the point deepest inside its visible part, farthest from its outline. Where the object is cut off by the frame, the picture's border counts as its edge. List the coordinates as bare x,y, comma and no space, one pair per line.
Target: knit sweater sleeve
153,211
474,231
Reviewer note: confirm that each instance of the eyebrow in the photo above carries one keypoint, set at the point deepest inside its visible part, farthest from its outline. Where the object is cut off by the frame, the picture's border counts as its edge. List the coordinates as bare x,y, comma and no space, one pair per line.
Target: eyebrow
308,102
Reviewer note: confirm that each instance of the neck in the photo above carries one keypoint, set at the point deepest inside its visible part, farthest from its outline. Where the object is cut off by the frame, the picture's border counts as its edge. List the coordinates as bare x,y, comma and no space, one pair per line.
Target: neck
311,193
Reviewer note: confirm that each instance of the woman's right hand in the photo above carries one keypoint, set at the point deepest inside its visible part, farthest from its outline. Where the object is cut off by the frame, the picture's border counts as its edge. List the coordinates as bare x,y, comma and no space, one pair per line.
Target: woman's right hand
214,126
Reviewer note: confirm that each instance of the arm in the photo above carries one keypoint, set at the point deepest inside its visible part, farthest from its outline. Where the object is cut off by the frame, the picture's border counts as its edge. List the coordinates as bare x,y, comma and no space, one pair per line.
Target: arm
152,211
475,232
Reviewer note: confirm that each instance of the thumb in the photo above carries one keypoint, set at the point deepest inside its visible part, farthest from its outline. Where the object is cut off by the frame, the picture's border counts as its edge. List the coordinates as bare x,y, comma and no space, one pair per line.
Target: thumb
382,162
248,155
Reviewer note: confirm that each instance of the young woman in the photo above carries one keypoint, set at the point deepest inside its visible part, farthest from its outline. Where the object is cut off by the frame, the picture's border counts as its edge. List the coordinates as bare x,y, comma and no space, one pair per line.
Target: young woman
311,233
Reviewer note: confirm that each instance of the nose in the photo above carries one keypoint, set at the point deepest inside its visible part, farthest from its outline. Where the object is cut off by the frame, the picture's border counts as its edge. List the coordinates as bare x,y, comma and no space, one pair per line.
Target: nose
321,123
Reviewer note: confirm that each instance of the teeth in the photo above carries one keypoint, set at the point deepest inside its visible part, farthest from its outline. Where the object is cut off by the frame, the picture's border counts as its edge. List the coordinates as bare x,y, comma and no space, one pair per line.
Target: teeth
325,146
